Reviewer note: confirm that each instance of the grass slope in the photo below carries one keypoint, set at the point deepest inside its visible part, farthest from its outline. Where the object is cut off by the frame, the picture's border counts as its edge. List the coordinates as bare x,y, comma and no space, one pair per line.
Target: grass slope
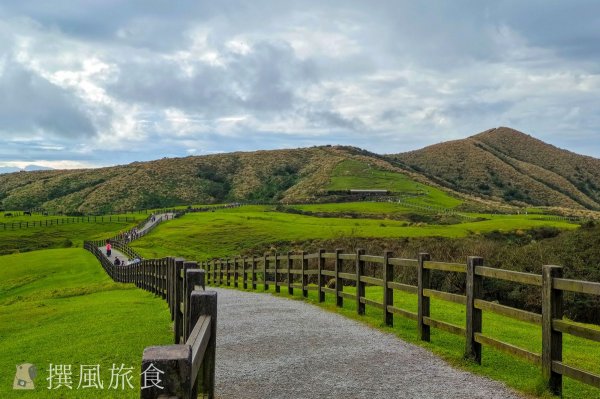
260,175
59,236
227,232
355,174
58,306
507,165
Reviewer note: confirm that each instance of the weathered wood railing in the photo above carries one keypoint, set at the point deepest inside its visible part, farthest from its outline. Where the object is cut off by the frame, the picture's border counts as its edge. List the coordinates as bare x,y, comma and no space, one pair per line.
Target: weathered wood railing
296,270
188,367
140,229
65,220
123,247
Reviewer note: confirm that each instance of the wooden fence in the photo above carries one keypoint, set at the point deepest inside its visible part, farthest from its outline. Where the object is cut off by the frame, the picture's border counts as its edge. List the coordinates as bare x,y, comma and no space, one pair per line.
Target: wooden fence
189,365
140,231
330,271
66,220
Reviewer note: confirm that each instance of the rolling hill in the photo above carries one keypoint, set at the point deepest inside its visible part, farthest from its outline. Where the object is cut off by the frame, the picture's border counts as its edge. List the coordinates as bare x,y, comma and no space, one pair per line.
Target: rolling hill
507,165
499,165
297,175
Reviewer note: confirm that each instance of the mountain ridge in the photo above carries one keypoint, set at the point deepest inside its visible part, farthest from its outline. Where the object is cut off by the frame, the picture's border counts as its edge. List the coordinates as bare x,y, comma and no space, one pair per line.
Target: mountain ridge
505,164
298,175
501,165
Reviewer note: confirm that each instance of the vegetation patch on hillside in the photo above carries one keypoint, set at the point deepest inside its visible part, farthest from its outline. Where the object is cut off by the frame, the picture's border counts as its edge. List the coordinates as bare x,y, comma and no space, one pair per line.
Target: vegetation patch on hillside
226,232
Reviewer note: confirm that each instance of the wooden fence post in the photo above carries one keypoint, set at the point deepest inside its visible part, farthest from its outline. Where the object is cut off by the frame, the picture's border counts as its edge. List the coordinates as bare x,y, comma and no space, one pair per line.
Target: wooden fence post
204,303
304,275
388,293
320,276
265,267
277,287
244,274
214,268
339,300
153,277
228,272
163,277
552,308
194,280
360,286
290,263
170,286
178,320
175,361
474,319
424,282
236,273
254,261
206,266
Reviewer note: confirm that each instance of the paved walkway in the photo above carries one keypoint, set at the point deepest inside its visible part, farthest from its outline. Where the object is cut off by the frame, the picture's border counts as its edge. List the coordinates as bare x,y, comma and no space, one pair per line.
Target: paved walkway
116,253
270,347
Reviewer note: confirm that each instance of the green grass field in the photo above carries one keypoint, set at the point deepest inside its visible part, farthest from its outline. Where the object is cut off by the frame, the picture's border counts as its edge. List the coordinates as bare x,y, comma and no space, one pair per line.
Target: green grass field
394,209
38,217
352,174
59,306
58,236
229,231
516,373
363,208
55,305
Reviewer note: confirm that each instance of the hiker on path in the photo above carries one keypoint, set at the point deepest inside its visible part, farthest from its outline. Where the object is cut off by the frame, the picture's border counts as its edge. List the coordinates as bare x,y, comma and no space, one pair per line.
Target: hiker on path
117,261
108,249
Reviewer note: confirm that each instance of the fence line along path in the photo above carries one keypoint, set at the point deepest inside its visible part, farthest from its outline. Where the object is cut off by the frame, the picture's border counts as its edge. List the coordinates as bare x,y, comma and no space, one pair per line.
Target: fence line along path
121,250
270,347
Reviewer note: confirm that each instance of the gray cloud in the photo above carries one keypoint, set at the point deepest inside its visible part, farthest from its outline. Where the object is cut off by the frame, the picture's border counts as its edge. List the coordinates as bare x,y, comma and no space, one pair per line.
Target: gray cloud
115,81
263,80
31,104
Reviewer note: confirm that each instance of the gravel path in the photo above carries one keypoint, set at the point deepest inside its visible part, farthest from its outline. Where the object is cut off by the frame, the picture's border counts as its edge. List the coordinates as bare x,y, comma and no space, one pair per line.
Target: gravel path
115,253
270,347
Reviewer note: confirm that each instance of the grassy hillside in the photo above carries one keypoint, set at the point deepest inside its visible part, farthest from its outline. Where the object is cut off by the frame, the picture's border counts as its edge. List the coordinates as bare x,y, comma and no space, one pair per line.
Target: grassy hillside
281,175
500,165
226,232
58,236
507,165
59,306
356,174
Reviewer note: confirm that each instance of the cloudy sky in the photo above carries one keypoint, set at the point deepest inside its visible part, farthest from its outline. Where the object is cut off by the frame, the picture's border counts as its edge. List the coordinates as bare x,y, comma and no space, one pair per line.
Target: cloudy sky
90,83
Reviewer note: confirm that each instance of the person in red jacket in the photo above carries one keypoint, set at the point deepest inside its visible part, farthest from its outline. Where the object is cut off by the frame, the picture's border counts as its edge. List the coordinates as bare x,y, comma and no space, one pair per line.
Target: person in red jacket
108,249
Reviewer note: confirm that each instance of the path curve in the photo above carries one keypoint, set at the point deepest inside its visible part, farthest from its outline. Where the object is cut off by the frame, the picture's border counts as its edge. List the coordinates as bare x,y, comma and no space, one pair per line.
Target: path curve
271,347
115,253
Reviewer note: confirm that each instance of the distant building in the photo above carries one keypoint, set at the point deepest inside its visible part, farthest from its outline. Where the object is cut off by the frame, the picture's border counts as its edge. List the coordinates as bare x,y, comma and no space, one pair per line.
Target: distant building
369,192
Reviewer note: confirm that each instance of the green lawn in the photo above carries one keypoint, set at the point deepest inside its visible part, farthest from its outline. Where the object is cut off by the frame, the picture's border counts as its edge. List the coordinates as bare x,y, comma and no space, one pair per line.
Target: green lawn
353,174
514,372
229,231
37,217
394,209
59,306
58,236
363,208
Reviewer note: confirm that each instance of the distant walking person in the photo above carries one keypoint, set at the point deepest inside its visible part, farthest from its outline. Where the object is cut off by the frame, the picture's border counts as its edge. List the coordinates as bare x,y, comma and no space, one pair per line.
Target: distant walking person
117,261
108,249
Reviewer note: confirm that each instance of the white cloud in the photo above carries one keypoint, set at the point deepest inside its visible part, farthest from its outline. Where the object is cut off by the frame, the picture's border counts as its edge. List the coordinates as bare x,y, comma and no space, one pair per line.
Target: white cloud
107,85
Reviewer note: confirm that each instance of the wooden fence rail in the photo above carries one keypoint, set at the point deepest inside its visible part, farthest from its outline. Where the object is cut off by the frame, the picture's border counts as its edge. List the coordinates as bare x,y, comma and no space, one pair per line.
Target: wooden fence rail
329,272
65,220
189,365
